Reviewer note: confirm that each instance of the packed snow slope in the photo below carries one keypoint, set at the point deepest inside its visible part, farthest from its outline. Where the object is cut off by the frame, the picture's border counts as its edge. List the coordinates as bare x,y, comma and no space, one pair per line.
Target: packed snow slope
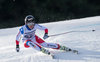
86,41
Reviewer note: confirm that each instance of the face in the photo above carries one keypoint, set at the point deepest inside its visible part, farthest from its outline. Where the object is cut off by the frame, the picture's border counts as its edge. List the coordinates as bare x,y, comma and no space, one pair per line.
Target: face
30,25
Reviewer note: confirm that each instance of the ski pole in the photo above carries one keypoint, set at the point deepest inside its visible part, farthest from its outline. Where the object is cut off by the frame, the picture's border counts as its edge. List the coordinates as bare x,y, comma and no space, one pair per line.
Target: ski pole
61,33
70,32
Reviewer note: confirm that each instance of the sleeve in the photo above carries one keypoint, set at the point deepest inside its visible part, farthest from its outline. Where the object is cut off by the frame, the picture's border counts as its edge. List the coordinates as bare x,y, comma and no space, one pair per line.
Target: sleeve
42,28
18,38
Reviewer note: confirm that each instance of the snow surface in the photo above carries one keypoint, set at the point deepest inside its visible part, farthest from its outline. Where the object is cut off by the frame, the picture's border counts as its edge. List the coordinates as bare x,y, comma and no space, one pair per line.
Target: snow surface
86,41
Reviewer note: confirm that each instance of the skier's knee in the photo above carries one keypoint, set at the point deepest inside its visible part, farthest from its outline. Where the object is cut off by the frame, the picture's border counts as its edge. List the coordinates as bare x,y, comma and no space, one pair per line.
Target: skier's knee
58,46
26,44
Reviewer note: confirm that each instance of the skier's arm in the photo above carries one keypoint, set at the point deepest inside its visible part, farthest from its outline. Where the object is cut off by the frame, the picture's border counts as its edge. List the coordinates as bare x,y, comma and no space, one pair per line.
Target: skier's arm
43,28
17,41
18,38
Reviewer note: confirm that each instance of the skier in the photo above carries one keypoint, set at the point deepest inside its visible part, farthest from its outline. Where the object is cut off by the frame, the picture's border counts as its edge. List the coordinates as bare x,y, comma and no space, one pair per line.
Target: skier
30,39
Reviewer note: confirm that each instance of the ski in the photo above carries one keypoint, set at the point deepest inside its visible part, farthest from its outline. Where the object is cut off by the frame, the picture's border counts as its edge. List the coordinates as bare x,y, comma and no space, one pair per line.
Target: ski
75,51
53,56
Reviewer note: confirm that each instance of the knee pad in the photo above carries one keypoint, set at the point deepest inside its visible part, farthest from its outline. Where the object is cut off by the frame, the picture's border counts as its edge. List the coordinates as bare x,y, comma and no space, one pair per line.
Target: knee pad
26,43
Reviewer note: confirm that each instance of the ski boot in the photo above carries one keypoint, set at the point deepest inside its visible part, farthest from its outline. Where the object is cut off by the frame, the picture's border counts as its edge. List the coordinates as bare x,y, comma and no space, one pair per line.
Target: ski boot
45,51
68,49
65,48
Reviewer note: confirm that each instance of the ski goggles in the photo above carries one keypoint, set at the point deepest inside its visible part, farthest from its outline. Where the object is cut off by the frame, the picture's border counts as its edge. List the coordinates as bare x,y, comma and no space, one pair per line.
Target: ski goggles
30,24
30,20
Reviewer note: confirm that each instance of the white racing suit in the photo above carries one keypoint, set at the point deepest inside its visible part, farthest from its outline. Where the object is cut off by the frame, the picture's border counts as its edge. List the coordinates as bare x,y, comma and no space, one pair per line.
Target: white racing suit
31,40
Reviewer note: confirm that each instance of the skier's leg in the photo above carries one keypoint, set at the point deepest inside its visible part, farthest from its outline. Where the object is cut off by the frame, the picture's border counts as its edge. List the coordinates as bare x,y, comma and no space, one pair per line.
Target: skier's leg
29,43
51,45
47,45
55,46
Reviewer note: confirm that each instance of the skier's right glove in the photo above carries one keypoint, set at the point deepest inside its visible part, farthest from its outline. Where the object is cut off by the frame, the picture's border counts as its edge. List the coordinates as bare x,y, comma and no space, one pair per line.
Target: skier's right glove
17,48
45,36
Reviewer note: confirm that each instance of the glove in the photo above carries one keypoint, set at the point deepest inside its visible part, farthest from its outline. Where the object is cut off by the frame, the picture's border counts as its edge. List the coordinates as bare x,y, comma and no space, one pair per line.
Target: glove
17,48
45,36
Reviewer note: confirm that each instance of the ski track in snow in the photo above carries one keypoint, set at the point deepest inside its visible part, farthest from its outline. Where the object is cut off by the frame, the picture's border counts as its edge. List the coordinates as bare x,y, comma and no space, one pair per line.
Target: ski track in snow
84,40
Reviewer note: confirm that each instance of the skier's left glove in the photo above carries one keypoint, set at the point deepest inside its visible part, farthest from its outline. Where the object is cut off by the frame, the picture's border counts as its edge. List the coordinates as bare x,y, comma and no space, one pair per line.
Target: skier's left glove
17,48
45,36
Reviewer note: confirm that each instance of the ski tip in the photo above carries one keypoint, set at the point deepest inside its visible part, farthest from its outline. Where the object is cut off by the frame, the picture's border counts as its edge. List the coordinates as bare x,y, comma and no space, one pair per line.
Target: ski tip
93,30
53,56
75,51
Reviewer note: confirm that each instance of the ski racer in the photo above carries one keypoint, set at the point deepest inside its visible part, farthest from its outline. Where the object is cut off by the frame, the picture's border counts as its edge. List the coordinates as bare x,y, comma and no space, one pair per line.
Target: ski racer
30,39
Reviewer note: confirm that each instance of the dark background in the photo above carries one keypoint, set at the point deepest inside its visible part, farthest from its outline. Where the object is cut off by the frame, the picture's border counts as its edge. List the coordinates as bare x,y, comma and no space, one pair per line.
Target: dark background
13,12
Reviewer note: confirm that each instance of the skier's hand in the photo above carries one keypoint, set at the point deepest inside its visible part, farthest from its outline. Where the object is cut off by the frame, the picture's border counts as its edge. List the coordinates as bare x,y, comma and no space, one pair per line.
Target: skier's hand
17,48
45,36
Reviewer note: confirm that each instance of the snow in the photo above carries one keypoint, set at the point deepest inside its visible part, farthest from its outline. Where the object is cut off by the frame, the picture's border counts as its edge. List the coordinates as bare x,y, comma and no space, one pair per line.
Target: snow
86,41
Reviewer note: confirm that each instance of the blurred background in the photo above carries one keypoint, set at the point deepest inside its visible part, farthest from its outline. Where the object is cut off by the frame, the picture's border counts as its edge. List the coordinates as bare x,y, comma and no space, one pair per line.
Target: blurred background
13,12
